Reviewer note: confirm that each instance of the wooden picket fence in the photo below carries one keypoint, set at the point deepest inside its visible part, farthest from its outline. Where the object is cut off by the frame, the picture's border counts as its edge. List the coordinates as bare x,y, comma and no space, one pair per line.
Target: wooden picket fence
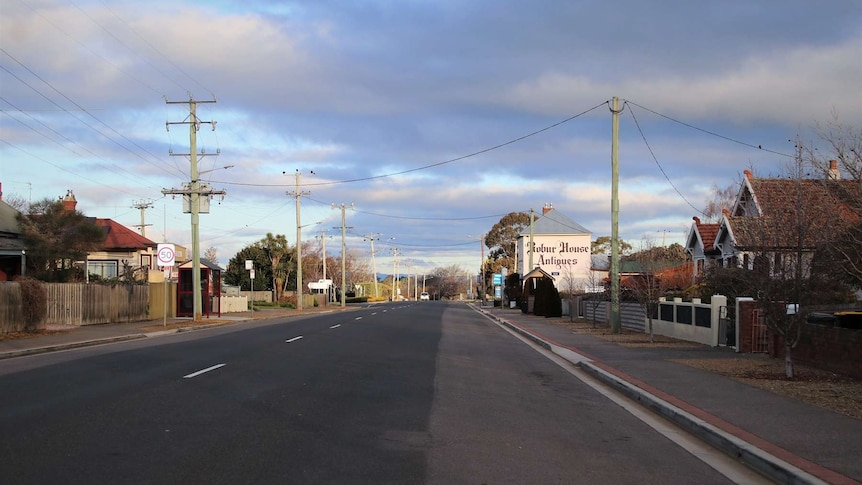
11,314
91,304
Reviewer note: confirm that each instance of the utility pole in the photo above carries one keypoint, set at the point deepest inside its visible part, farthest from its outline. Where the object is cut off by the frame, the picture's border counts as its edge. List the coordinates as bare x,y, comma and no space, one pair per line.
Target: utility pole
142,206
298,194
192,193
343,252
615,215
482,248
371,237
394,272
323,243
530,267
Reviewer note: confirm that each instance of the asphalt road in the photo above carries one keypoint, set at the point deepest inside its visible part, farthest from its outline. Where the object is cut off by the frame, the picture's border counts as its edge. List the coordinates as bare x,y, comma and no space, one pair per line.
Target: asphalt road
425,392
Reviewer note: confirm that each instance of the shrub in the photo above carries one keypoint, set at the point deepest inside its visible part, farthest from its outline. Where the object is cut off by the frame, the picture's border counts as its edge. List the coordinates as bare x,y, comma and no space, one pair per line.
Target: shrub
34,303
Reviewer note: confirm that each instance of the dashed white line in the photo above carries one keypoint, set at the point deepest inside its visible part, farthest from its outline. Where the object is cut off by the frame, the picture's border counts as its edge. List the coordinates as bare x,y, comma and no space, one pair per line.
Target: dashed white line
358,318
195,374
336,325
294,339
375,313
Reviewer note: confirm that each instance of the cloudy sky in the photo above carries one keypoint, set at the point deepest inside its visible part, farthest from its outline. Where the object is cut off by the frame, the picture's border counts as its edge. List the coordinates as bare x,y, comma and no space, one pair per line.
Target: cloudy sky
434,118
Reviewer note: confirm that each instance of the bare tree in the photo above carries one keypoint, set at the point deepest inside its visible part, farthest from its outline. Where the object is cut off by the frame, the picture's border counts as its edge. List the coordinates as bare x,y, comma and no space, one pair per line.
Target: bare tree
841,172
448,280
211,255
571,286
722,198
647,285
798,219
594,299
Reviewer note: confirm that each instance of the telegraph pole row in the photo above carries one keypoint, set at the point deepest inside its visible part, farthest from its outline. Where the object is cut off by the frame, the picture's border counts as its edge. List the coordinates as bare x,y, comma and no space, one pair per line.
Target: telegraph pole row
192,193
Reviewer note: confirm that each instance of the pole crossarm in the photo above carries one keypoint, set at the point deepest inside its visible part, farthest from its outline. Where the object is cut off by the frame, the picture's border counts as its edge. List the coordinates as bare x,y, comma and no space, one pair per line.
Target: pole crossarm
194,191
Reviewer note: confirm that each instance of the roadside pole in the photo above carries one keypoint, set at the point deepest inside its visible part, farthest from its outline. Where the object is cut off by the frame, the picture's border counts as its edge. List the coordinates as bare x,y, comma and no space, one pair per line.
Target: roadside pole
166,257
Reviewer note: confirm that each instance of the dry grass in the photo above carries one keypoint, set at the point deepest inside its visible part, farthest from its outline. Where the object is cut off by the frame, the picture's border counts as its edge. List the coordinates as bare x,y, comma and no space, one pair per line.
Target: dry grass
832,391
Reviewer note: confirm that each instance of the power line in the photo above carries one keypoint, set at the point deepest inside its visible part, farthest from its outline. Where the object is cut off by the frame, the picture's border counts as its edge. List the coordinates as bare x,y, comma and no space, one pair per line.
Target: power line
750,145
438,164
82,109
163,56
652,154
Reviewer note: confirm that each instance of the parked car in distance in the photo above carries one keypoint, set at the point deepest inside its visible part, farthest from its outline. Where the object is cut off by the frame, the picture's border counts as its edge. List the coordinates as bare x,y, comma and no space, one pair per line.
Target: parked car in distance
424,296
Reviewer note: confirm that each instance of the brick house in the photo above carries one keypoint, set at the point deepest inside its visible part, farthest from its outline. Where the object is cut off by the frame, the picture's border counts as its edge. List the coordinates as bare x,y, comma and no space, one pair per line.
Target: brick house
760,223
122,251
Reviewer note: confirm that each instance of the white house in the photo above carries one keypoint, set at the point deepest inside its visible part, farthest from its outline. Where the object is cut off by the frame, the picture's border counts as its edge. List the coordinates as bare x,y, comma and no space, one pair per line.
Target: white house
561,248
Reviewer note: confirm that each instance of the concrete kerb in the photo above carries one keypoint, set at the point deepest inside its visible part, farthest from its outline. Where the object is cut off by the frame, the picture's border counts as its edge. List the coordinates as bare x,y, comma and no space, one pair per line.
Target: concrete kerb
71,345
107,340
762,461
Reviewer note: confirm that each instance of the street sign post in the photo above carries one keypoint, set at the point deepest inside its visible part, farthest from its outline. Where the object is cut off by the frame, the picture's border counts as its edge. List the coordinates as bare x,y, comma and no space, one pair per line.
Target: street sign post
166,258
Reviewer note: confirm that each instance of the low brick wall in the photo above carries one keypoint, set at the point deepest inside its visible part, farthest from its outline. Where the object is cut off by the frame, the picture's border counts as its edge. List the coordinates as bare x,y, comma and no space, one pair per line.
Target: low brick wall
834,349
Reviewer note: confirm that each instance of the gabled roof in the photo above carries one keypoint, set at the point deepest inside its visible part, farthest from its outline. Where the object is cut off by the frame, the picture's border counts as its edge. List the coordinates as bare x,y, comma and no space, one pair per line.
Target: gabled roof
8,220
702,234
554,222
120,237
537,272
765,211
205,263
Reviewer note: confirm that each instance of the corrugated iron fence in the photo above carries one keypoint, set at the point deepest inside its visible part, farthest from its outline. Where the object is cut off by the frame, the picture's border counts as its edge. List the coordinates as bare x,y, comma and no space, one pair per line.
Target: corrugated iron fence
89,304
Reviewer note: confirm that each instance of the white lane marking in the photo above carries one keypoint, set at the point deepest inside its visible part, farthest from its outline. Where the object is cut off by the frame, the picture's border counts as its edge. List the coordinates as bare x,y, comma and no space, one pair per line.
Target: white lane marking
375,313
384,311
294,339
336,325
358,318
195,374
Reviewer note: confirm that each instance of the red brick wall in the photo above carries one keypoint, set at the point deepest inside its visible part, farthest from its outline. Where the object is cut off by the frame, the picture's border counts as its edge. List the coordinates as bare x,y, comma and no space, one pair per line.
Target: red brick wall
834,349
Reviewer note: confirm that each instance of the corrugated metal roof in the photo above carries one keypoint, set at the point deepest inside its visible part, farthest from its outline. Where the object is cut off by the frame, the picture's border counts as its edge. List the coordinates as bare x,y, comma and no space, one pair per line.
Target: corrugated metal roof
554,222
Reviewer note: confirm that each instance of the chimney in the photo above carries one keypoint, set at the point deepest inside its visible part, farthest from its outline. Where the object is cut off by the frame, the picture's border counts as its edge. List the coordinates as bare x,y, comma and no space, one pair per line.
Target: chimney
833,173
696,220
69,201
748,174
547,208
726,212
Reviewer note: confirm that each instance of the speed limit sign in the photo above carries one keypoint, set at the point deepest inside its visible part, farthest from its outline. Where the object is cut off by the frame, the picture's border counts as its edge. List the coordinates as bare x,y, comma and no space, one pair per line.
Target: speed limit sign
165,254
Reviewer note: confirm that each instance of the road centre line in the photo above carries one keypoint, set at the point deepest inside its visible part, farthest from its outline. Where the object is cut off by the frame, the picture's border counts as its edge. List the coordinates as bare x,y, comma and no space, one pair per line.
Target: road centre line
358,318
336,325
202,371
294,339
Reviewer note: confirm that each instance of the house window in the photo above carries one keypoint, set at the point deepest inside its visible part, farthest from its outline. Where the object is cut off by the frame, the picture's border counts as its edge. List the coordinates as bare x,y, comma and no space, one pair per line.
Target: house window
146,261
746,261
104,269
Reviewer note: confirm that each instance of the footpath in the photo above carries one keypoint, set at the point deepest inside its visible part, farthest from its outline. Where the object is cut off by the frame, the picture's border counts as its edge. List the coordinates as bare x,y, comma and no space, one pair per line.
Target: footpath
787,440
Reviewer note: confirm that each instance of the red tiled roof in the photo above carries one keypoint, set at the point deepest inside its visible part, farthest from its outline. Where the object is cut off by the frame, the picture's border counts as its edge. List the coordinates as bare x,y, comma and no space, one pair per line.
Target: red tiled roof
118,236
822,205
707,234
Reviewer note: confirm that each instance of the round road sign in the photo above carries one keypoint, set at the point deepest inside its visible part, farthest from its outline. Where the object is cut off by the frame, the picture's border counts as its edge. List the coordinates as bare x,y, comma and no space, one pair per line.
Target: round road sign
166,255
